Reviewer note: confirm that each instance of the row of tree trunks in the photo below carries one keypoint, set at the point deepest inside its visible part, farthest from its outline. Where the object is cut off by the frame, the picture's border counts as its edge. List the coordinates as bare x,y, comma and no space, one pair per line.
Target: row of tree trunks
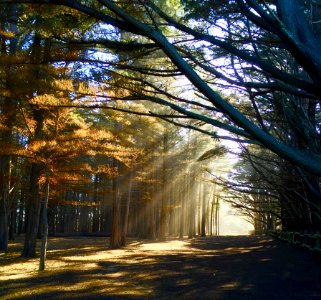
4,202
9,108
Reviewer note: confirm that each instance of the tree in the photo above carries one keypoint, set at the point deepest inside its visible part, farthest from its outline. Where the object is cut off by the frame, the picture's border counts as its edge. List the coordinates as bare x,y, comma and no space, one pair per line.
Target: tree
267,52
286,27
295,84
252,190
9,47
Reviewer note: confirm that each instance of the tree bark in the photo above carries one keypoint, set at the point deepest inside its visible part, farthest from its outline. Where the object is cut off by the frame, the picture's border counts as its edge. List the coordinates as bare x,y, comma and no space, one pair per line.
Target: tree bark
192,206
44,238
182,196
9,110
33,204
163,212
3,223
96,209
116,231
204,212
32,213
126,208
12,223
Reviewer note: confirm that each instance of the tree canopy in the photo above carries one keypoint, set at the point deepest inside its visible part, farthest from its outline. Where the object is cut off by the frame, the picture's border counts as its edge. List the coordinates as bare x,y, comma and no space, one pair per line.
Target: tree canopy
263,50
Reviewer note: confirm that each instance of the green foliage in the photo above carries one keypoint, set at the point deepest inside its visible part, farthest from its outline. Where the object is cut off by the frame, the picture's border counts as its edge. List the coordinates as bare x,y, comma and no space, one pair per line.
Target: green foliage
207,9
171,7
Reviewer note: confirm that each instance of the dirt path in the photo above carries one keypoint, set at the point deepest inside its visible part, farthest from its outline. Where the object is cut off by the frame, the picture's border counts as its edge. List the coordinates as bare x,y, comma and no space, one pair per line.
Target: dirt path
206,268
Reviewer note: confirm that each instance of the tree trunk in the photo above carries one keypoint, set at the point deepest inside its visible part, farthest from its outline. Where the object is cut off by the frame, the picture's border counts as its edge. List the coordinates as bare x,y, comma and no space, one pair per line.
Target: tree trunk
8,109
3,224
182,196
192,206
116,231
126,208
20,218
5,171
313,194
204,212
96,212
32,213
44,239
217,215
163,213
13,222
33,205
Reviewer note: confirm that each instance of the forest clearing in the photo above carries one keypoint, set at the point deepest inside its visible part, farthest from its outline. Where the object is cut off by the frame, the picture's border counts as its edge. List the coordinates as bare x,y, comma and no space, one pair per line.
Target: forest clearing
226,267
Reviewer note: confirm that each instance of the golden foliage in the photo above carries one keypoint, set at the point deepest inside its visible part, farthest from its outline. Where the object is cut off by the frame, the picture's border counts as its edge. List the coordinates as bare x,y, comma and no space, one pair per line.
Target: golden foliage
45,100
76,203
9,149
7,34
63,84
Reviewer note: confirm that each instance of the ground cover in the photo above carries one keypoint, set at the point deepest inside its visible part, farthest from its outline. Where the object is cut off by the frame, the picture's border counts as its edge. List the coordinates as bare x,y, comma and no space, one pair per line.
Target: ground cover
203,268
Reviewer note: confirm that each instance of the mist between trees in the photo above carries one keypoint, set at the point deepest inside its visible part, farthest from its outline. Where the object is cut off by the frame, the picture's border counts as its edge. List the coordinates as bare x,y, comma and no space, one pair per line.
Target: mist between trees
112,116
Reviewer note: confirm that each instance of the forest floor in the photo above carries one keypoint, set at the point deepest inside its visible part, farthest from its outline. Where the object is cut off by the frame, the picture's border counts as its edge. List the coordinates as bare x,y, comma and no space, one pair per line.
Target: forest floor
227,267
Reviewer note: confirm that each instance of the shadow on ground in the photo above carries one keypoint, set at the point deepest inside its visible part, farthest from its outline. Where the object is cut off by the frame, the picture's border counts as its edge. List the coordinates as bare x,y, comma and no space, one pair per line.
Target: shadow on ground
204,268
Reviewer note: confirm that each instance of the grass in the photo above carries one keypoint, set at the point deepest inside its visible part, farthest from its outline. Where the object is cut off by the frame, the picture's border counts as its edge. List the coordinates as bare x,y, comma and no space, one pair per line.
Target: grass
81,267
213,268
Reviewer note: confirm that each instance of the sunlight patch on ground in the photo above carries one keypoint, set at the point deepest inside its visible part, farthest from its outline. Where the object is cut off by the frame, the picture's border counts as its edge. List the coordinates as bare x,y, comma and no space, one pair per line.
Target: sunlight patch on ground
243,250
165,246
30,268
97,256
185,282
17,276
55,264
85,288
19,270
70,249
116,274
265,241
230,285
105,255
136,291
